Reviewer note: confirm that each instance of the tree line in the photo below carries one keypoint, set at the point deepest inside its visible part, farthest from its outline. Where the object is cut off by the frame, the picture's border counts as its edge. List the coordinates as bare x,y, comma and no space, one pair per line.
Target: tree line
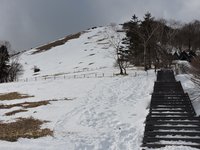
151,42
10,69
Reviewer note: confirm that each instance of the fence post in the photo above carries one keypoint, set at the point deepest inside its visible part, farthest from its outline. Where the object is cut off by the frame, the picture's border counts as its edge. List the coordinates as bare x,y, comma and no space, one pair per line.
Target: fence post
64,76
103,74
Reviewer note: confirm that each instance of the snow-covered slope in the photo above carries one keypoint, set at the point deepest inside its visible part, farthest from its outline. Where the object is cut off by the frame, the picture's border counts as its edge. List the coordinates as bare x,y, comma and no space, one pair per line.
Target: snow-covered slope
86,113
89,51
103,113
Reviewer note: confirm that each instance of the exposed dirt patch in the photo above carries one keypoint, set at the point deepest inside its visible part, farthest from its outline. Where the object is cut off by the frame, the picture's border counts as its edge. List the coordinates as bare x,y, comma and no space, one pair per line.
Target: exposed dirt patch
105,43
100,40
23,128
25,105
13,96
34,104
90,64
91,54
15,111
57,43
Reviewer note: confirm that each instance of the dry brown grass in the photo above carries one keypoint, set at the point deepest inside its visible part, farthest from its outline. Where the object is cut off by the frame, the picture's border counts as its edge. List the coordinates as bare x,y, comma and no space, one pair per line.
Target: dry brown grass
25,104
57,43
13,95
34,104
23,128
15,111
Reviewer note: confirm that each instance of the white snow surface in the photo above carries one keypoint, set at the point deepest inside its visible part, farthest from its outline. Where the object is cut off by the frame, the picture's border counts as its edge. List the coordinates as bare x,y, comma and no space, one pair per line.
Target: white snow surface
92,50
90,113
104,113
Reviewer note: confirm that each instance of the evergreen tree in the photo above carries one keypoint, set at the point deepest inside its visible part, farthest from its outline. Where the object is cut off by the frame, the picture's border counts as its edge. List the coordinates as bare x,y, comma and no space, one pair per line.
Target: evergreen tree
142,40
4,67
133,41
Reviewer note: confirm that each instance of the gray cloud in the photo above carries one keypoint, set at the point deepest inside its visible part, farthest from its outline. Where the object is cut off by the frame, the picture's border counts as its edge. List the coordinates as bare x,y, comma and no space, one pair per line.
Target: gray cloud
29,23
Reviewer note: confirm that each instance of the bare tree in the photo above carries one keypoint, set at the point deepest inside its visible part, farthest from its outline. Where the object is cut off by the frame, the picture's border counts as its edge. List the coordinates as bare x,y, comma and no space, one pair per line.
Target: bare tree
7,44
146,40
115,40
165,35
15,69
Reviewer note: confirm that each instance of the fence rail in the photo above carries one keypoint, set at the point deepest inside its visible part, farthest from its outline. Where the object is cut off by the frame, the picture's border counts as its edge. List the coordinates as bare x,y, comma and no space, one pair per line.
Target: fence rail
74,76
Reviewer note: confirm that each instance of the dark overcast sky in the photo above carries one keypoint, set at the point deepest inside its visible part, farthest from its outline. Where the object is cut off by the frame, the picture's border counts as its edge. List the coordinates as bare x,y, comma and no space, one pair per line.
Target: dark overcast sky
29,23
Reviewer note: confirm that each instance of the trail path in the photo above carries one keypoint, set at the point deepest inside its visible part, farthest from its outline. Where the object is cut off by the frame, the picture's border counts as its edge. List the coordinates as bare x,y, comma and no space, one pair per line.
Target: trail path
172,120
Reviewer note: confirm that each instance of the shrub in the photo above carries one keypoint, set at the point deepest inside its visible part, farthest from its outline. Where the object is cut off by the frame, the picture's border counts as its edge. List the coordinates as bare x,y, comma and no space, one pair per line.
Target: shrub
36,69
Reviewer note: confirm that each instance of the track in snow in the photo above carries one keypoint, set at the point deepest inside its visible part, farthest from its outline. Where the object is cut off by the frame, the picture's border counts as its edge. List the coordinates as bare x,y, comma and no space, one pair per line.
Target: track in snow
103,119
172,120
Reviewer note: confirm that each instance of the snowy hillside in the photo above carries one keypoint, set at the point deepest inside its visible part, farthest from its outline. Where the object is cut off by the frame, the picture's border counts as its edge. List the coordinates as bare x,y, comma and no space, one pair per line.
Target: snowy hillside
106,113
90,51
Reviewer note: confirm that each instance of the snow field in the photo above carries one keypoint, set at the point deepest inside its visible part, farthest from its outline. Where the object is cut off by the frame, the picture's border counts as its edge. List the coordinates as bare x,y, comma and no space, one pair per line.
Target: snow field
90,113
104,113
91,50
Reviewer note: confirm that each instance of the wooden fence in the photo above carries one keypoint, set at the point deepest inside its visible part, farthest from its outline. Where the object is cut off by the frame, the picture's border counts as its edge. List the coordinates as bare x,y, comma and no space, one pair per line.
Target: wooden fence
73,76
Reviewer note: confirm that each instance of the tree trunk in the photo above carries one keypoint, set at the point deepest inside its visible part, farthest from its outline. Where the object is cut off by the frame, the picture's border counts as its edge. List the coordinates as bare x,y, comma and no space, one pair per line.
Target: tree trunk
121,71
149,59
145,64
189,44
120,67
125,71
124,68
